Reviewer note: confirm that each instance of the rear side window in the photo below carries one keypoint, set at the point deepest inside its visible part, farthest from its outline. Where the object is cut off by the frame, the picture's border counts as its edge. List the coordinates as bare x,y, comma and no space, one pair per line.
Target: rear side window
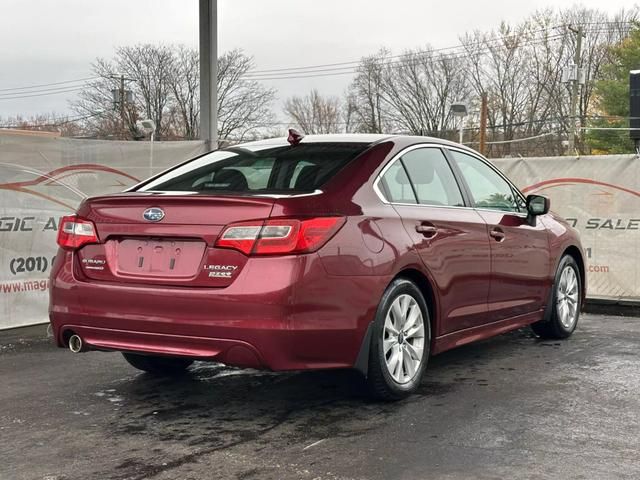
259,169
396,185
432,178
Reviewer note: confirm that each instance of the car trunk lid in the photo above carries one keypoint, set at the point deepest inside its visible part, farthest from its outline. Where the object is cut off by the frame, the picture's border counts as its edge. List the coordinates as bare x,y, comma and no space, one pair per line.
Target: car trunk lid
174,247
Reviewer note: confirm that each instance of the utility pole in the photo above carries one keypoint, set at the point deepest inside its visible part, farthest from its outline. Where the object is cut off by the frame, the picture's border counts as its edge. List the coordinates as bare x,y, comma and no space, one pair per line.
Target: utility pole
122,100
121,97
484,113
575,90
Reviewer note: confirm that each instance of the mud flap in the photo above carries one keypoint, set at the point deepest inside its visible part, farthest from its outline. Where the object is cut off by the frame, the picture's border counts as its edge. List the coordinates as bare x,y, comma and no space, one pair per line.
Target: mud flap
362,360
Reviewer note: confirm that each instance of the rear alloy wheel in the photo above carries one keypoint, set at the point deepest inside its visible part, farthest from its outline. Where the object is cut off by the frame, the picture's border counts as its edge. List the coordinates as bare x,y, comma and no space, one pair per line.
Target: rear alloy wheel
400,342
168,366
565,302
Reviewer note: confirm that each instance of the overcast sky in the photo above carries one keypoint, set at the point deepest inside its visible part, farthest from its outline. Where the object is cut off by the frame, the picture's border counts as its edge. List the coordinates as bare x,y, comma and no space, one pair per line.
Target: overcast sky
44,41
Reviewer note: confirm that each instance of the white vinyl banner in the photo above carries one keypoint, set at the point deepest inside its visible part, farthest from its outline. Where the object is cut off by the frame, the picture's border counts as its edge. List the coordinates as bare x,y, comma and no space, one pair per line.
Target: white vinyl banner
42,179
600,196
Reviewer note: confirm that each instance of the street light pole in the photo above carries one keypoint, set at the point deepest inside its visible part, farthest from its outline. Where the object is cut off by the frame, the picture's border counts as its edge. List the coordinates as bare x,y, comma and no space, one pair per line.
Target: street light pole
208,19
148,126
459,109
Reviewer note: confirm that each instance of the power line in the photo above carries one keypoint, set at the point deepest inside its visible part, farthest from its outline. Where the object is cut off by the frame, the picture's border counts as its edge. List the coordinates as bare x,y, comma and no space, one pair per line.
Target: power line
46,90
339,68
316,71
74,89
49,84
411,57
277,72
392,64
454,47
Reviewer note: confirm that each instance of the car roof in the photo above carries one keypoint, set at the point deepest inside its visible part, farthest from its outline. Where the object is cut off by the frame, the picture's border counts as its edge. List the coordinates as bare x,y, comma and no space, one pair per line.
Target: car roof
366,138
328,138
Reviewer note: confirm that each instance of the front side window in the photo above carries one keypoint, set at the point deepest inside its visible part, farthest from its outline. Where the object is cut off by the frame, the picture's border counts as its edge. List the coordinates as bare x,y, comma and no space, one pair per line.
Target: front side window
487,187
259,169
432,178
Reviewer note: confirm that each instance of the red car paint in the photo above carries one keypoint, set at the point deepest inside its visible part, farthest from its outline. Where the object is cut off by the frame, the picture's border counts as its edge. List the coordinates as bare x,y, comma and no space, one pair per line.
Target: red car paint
304,310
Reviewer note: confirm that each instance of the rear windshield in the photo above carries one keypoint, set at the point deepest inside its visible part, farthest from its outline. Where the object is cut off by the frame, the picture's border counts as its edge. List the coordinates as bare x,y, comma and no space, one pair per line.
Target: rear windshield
259,169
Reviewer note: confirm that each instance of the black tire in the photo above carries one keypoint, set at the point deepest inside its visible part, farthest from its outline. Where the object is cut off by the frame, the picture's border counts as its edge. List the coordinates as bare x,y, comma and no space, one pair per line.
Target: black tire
552,326
380,381
167,366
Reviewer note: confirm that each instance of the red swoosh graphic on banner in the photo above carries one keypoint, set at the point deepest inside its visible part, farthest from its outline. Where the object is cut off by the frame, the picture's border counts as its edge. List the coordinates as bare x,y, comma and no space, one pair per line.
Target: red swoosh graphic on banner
73,168
573,181
56,175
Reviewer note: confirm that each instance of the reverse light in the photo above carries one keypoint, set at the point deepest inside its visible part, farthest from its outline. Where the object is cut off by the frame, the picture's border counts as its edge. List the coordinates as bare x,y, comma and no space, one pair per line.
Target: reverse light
280,236
74,232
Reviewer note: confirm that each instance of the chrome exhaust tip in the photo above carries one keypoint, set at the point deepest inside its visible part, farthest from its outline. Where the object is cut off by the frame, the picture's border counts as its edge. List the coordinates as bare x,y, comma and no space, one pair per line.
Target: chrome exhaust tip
75,344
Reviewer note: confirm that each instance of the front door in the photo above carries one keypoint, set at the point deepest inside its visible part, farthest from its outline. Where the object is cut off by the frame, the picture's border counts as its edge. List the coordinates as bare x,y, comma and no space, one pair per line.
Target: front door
520,260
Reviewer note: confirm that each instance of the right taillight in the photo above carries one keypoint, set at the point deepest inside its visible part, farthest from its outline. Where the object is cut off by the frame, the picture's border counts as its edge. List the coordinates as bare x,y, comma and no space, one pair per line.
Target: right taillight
74,232
280,236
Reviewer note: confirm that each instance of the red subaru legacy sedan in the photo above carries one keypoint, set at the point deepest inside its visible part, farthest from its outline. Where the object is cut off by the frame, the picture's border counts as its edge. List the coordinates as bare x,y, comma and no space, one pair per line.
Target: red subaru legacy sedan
351,251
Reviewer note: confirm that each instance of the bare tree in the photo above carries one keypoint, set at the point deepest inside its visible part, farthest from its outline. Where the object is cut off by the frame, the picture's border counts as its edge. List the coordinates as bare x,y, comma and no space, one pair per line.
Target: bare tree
244,105
519,67
184,81
499,68
146,69
150,67
164,82
365,97
419,90
315,114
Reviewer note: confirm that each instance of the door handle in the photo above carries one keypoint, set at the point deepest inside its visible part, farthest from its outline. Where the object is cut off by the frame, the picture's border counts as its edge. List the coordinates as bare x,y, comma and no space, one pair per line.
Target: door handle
427,230
497,234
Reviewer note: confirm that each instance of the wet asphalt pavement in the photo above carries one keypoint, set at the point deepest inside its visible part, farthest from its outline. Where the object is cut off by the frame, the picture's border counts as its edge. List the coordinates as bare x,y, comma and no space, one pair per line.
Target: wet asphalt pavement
511,407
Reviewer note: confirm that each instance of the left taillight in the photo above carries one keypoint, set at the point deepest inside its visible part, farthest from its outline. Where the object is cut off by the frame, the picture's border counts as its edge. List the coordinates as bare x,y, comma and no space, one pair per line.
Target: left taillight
74,232
280,236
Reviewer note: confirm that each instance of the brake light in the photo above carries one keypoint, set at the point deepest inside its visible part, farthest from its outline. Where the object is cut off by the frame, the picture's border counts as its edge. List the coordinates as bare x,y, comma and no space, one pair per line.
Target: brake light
75,232
280,236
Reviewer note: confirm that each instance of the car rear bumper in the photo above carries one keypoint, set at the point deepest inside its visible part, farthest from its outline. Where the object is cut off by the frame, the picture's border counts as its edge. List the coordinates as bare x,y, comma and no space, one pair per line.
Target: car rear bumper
286,314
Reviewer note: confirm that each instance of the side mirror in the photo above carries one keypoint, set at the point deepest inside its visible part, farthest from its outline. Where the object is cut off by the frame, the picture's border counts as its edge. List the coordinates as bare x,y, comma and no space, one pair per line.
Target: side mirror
537,205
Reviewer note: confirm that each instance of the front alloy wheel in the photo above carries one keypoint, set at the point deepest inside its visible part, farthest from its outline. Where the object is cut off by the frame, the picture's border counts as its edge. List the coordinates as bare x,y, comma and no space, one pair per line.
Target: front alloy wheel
566,298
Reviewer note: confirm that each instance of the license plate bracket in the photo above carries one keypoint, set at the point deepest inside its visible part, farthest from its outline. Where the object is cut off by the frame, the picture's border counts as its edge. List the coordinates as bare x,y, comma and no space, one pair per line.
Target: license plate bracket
159,257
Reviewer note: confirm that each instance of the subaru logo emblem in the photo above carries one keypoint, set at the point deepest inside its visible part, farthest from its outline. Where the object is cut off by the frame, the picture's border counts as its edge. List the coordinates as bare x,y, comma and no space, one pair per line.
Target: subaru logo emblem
153,214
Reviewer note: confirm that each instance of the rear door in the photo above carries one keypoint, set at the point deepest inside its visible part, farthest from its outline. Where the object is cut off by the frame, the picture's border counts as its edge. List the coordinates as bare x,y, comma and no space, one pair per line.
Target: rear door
450,238
520,259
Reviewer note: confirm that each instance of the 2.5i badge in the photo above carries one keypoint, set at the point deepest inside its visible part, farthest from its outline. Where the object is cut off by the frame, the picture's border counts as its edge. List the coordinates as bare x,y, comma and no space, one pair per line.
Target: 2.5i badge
220,271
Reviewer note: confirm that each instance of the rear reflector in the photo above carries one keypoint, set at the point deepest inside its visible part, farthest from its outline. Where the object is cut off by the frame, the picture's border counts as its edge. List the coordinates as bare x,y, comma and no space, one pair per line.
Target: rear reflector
280,236
75,232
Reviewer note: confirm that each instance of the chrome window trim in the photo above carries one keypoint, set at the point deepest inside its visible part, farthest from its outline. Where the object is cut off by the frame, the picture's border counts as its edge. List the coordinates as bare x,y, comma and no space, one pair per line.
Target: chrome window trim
393,160
396,157
502,175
